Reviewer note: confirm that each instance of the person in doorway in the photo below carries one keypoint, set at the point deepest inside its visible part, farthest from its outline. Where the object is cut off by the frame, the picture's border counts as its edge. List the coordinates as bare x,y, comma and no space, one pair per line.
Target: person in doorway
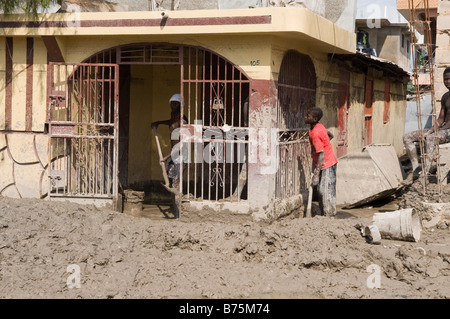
324,162
443,133
173,166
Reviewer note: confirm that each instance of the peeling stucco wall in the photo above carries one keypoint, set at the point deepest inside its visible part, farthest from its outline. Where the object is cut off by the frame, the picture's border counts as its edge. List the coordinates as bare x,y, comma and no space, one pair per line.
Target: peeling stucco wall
23,165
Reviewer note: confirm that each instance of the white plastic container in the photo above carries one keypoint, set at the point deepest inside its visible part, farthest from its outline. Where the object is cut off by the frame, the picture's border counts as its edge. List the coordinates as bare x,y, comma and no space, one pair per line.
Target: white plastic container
400,224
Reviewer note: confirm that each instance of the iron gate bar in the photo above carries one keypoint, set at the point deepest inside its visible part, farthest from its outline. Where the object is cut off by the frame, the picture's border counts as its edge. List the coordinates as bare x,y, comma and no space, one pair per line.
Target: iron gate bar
90,152
296,93
211,71
213,80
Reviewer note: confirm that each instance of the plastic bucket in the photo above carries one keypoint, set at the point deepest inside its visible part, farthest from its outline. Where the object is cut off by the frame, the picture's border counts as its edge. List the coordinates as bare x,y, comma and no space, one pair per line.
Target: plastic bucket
400,224
372,234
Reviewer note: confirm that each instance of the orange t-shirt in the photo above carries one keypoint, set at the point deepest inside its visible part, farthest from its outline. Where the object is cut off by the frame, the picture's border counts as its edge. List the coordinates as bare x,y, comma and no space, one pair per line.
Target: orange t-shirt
320,142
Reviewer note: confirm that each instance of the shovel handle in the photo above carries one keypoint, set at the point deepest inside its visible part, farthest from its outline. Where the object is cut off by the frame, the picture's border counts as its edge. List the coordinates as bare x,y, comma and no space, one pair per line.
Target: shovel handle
308,207
163,165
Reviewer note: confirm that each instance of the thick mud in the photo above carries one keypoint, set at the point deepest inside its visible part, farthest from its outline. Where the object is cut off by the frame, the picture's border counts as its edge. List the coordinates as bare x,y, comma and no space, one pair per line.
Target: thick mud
212,255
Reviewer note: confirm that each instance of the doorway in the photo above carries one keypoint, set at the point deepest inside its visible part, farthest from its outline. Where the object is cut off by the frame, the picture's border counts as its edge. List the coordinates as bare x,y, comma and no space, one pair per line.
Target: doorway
215,95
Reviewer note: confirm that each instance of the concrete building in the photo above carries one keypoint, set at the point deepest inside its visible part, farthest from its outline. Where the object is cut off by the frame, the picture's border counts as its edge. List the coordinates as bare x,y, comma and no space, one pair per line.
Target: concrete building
422,55
340,12
78,92
387,31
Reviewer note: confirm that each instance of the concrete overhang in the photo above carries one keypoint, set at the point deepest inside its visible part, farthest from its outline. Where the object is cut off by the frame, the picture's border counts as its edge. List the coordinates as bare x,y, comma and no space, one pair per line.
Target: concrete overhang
384,22
290,23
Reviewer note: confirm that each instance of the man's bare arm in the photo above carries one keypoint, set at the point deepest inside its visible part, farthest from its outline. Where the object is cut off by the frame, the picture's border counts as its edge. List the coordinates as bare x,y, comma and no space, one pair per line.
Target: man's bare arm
155,124
317,169
330,135
442,115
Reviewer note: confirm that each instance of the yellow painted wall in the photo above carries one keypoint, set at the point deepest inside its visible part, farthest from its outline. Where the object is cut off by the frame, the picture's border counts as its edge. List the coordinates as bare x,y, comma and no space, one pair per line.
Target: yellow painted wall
251,53
2,81
19,84
151,89
299,23
39,85
239,50
152,86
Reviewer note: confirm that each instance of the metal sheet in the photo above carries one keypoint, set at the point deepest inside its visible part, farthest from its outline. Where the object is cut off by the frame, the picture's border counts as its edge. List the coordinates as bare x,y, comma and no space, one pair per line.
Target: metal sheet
368,175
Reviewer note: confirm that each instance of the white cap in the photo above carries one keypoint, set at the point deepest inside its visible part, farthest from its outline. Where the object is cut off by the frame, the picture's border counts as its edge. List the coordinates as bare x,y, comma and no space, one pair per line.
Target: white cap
175,98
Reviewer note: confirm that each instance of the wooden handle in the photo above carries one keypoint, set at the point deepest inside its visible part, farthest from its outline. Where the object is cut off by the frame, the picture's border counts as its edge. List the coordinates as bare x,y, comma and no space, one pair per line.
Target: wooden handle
310,193
308,208
163,165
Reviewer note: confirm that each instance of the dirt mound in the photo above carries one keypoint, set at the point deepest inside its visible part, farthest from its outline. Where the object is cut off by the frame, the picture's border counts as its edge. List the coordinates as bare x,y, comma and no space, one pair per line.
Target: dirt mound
120,256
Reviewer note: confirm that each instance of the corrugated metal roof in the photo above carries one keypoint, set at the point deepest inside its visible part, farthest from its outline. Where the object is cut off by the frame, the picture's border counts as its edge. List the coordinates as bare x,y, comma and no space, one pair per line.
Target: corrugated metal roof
360,61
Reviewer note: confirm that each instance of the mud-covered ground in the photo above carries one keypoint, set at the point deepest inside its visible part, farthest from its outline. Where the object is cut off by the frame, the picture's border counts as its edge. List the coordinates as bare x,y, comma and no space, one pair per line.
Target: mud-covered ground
212,255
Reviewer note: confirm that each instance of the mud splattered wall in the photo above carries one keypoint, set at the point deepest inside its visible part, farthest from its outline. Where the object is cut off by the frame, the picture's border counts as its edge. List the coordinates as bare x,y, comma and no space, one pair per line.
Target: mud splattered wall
23,146
356,112
383,132
392,131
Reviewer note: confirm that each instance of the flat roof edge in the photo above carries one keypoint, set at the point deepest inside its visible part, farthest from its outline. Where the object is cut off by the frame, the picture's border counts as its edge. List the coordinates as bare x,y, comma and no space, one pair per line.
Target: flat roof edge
187,22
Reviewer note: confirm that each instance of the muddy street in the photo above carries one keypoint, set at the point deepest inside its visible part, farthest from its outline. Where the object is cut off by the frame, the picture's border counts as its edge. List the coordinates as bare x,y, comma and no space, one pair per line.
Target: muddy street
211,255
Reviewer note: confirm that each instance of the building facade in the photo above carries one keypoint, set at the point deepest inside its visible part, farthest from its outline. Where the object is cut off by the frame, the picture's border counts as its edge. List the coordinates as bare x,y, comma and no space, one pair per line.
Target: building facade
386,30
79,92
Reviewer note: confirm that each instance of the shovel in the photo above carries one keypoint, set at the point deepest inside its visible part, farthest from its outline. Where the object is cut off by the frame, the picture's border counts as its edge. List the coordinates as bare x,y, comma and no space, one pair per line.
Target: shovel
310,193
163,167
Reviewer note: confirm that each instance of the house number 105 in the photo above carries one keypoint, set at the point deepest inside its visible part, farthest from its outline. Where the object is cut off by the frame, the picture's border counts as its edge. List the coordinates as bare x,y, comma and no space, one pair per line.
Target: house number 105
255,62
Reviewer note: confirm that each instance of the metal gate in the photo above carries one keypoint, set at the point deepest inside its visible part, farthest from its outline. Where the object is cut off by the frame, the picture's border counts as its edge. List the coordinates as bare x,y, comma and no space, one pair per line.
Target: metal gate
215,139
215,94
296,94
83,128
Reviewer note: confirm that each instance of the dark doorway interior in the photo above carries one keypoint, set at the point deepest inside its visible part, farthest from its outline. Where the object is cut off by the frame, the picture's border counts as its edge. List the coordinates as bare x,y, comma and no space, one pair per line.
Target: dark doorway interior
124,123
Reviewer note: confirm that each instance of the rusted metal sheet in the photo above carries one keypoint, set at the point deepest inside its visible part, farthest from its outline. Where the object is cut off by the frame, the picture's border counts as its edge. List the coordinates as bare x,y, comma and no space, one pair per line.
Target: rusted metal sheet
62,130
371,174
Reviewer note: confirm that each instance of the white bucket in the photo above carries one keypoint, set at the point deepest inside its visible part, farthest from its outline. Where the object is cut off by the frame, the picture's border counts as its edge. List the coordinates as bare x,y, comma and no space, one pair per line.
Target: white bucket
400,224
372,234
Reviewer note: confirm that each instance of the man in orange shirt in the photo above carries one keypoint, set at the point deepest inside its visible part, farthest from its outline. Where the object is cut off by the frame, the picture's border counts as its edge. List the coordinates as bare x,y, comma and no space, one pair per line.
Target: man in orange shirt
324,160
